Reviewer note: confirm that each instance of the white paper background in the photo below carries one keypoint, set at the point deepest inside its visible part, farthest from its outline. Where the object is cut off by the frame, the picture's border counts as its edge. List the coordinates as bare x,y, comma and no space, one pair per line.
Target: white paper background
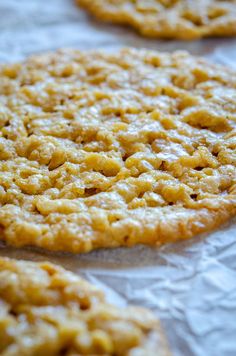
191,286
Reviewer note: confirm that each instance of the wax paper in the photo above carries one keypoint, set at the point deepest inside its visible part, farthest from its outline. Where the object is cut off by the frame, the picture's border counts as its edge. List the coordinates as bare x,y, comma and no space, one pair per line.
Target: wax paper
191,286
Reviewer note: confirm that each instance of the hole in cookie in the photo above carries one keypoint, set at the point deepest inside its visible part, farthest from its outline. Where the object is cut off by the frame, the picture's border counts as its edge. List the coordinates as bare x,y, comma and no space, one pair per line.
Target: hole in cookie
126,238
215,154
7,123
162,167
85,305
63,351
88,192
194,196
126,156
141,194
199,168
13,313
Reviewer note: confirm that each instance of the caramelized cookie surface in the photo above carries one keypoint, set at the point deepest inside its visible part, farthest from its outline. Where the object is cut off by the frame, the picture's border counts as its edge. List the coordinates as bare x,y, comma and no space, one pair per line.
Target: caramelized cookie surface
107,150
181,19
46,309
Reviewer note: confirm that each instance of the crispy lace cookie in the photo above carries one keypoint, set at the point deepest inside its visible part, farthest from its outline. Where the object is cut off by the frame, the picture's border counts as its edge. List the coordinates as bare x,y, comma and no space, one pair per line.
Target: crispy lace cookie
182,19
46,310
107,150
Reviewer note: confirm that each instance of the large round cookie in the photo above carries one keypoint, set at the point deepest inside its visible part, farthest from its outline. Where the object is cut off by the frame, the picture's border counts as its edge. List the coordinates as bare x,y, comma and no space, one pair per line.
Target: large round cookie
46,310
107,150
182,19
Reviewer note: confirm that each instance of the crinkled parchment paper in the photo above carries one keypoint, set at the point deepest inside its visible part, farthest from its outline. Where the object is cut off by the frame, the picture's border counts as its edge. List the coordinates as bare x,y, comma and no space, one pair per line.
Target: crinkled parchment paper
191,285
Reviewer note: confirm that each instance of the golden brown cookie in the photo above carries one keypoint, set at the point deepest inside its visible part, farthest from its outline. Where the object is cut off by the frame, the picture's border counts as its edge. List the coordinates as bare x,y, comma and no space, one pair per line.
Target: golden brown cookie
182,19
107,150
46,310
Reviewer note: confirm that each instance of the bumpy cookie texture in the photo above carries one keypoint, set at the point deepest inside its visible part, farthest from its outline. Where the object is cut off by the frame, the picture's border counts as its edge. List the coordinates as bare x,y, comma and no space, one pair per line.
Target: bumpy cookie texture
182,19
106,150
46,310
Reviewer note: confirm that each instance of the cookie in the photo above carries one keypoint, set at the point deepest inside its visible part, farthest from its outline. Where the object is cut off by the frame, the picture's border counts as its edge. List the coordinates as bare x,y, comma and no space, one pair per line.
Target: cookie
45,308
180,19
115,149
